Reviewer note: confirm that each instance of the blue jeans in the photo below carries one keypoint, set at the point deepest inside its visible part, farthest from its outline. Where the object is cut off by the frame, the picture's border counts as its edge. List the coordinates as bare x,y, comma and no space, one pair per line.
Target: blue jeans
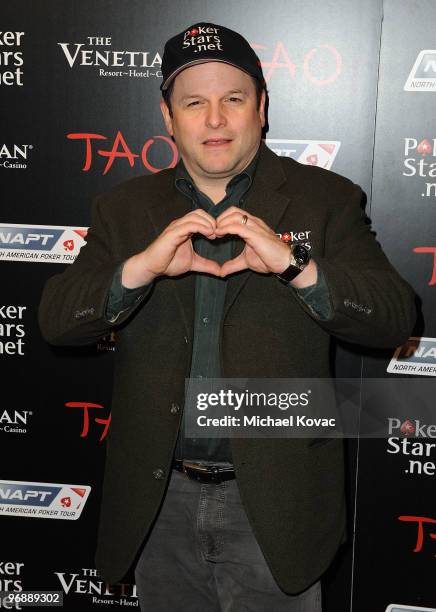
202,556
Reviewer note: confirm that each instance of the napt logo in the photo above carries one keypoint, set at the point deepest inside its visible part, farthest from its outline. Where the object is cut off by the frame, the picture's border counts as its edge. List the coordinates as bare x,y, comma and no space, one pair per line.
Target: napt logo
416,356
320,153
422,77
40,243
42,499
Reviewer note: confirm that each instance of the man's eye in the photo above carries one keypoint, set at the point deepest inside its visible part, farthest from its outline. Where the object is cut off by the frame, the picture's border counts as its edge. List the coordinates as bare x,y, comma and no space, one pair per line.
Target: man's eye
194,103
234,99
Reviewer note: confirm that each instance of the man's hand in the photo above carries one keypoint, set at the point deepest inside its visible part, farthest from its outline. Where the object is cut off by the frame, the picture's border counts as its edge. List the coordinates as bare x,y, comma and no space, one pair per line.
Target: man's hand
172,253
263,252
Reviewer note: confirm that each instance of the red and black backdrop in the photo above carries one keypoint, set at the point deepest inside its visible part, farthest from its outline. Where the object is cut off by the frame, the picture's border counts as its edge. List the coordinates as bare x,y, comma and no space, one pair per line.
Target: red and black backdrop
352,88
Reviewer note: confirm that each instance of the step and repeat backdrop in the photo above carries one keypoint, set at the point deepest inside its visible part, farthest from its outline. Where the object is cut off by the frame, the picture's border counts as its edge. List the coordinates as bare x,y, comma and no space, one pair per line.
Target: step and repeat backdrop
352,88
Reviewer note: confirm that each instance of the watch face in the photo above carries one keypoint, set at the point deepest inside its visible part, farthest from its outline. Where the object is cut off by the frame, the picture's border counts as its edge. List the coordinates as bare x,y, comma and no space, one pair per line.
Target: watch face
301,254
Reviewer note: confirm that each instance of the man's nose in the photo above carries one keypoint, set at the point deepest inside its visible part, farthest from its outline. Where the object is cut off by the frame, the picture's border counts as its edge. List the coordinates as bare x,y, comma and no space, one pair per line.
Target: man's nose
215,115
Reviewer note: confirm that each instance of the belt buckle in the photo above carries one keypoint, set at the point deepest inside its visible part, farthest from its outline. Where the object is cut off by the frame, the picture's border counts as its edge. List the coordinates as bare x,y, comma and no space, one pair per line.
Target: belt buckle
197,467
195,471
206,473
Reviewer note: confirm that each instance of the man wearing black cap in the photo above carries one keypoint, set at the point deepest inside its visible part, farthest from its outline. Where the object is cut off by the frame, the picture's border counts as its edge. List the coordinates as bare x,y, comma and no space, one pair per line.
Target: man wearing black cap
190,268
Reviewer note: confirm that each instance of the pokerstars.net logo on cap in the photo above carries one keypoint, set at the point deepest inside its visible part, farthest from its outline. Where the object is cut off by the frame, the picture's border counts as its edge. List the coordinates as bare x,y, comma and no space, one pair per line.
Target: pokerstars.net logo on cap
202,38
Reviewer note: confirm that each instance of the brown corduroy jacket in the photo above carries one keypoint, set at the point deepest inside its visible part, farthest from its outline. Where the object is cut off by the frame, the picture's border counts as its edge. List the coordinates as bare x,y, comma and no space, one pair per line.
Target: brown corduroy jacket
292,490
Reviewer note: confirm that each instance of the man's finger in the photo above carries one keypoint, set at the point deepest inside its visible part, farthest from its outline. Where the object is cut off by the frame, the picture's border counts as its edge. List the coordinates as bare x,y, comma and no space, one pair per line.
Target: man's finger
193,219
232,210
186,230
253,223
234,265
201,213
249,234
201,264
237,216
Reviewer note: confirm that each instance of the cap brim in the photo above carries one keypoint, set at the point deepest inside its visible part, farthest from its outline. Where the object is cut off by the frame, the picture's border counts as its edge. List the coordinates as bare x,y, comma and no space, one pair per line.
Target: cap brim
173,75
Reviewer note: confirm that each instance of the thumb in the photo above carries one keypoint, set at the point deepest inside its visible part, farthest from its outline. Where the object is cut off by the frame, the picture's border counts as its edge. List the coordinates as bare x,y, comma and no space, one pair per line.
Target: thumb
234,265
201,264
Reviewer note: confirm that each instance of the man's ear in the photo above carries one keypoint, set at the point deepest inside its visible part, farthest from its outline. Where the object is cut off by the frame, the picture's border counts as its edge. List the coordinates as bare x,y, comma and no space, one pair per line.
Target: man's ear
262,108
166,117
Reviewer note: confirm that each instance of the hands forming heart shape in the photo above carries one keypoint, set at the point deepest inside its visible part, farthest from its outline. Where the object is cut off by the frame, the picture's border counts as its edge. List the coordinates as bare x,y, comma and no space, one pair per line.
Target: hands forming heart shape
172,253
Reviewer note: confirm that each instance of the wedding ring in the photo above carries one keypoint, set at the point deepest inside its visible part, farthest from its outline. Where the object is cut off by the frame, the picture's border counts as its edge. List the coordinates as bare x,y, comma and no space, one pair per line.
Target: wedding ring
244,219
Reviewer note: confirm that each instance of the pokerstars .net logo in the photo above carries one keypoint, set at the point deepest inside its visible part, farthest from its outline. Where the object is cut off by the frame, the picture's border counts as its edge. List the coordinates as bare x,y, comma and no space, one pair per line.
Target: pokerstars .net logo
411,428
296,237
320,153
11,59
11,576
12,343
413,440
202,38
97,52
422,77
420,162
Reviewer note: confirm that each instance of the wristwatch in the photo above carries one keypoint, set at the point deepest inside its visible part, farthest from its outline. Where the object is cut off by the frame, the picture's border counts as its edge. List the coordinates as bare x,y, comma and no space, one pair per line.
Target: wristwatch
300,257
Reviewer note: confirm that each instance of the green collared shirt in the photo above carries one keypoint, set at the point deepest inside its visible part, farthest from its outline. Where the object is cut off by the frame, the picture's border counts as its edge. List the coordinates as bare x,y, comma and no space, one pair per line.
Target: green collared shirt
210,292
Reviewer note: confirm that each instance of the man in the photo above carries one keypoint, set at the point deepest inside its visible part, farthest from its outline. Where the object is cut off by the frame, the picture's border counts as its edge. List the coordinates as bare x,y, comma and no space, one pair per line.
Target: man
189,268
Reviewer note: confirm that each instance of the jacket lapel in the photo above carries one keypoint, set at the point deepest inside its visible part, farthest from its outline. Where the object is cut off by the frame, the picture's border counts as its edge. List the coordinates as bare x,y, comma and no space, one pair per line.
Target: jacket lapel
264,201
166,204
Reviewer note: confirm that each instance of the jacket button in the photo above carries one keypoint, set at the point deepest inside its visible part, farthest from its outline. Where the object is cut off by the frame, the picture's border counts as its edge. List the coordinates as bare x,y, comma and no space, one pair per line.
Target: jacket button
175,408
158,474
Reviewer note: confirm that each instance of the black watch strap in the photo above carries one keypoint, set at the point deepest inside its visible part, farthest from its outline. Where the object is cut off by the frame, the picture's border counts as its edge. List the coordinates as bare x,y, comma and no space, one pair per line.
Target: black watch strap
299,258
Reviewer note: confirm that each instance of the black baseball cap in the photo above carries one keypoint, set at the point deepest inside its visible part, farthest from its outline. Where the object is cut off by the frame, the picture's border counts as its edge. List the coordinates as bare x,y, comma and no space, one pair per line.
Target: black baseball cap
208,42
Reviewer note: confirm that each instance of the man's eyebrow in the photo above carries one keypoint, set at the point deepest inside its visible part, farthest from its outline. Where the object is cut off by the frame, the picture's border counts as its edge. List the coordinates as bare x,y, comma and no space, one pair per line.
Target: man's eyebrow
233,91
227,93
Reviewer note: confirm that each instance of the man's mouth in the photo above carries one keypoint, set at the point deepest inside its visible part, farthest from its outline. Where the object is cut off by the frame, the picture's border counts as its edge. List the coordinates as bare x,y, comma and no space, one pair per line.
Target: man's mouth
217,142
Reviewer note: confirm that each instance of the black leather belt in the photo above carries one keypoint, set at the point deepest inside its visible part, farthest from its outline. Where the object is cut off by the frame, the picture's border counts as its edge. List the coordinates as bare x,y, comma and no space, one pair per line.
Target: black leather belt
204,473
